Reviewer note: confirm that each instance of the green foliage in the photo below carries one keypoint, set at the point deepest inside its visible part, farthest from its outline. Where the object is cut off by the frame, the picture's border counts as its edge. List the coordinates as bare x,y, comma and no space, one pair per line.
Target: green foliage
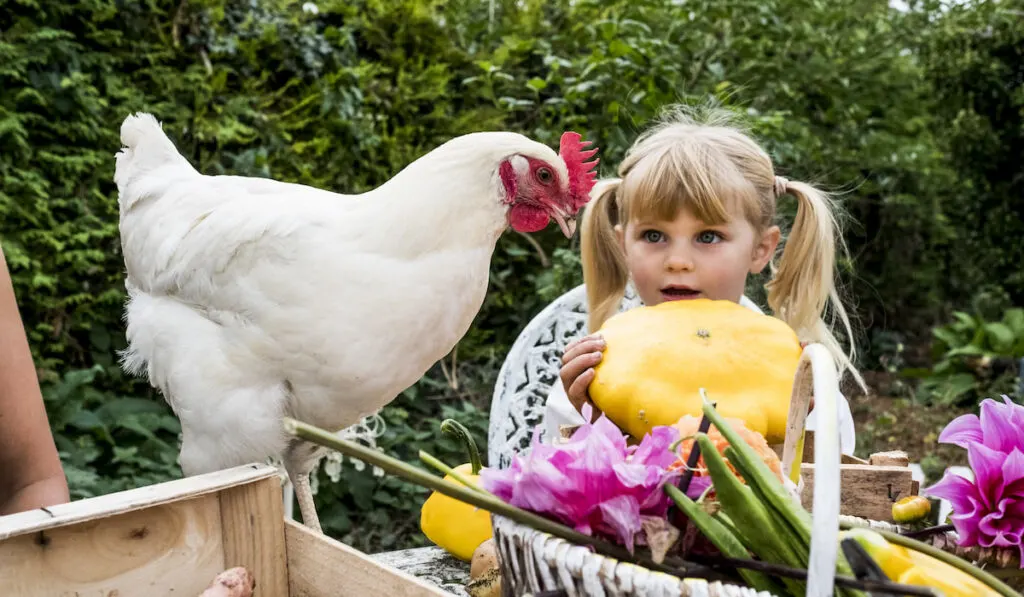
974,60
913,118
108,442
975,358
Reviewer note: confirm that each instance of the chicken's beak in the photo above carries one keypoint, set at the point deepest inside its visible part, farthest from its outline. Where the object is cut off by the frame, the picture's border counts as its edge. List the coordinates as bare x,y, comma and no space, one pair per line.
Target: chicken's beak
566,223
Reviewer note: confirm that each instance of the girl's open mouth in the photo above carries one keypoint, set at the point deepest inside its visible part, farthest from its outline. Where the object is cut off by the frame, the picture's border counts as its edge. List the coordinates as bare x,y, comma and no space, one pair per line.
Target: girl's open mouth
675,293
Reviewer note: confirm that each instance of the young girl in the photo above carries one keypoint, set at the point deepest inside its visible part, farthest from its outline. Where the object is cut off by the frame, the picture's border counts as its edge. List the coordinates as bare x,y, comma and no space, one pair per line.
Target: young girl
691,216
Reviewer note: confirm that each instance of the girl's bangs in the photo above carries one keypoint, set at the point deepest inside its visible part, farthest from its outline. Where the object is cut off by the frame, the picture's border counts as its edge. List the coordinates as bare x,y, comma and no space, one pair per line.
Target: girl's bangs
660,186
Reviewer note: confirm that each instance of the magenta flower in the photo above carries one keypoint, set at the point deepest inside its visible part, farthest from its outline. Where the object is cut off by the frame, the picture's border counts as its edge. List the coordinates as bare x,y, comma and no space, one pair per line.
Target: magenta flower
595,483
988,511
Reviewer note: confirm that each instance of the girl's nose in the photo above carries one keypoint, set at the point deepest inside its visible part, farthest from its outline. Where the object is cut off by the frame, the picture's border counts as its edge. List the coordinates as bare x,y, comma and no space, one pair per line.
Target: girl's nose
679,261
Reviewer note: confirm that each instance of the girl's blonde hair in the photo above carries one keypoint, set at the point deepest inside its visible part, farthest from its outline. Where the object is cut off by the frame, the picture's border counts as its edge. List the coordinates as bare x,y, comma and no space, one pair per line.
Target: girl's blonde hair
710,166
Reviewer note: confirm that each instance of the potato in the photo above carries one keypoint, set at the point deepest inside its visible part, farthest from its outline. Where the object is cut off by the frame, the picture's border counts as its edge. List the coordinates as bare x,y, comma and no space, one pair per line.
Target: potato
484,558
484,571
234,582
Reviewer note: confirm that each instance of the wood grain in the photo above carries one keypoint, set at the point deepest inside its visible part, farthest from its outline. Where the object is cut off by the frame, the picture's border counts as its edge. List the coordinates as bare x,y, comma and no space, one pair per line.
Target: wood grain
167,549
866,491
133,499
252,532
319,566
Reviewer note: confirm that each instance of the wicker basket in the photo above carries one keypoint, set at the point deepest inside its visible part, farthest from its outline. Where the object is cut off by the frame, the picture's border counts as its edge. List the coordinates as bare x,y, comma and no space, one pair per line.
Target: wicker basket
534,561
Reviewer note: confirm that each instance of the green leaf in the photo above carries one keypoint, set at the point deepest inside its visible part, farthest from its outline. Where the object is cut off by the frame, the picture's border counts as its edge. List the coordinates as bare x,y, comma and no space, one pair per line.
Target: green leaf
536,84
1000,337
952,388
1014,319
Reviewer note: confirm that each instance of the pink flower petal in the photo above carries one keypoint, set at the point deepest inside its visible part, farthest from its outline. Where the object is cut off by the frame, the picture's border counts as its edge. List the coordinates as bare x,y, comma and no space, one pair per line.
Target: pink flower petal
698,485
967,504
1013,467
999,528
987,465
954,488
1000,425
595,483
622,514
962,431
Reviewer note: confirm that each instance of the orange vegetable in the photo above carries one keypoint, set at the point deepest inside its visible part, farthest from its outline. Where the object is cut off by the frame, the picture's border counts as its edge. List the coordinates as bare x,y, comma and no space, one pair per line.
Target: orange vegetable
688,427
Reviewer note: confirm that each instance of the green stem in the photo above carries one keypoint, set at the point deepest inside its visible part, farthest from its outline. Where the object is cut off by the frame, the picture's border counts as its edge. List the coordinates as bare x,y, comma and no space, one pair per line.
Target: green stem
722,538
447,470
954,561
453,427
678,568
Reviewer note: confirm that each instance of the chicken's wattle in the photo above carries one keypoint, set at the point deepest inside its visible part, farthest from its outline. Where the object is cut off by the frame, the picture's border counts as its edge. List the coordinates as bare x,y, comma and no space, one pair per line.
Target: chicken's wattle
528,218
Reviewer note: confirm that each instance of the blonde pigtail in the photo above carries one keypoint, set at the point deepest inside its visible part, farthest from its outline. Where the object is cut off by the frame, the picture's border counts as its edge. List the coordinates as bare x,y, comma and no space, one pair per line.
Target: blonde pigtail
803,287
604,265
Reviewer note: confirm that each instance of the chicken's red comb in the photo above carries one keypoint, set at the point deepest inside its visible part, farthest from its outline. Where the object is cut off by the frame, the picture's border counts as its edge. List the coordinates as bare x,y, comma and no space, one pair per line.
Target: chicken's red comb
581,174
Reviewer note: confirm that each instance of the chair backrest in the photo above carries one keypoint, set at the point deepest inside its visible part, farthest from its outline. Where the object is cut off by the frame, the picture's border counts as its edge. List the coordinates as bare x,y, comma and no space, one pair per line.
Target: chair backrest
529,370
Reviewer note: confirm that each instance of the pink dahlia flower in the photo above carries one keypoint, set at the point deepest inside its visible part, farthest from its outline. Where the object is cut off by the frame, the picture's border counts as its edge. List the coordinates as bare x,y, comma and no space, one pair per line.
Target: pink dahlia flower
595,483
988,511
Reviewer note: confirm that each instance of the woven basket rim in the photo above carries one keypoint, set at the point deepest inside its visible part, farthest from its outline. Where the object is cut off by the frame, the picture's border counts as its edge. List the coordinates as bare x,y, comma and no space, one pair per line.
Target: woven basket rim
715,587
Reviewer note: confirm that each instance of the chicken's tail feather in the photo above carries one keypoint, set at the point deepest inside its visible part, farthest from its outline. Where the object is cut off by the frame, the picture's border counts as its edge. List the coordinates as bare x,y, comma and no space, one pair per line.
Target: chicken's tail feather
145,148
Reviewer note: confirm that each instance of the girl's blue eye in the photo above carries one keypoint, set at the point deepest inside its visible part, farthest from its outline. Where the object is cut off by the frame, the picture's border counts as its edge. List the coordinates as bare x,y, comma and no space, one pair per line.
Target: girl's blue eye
653,236
709,237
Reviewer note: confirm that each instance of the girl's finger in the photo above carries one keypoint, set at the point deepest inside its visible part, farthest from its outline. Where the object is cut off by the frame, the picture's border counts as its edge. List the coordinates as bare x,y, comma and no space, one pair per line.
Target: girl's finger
574,368
584,347
578,341
577,392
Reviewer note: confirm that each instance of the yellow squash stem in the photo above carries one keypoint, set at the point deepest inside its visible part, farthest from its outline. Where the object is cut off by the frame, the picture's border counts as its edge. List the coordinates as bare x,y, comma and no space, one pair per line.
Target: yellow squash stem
452,524
453,427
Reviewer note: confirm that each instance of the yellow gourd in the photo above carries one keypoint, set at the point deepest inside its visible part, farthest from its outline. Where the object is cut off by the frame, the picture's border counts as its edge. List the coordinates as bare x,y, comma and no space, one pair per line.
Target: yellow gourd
457,527
658,358
911,567
912,508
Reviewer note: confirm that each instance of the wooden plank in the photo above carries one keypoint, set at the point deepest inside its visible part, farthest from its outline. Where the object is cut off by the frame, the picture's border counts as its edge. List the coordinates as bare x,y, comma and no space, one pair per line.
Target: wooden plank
808,456
166,549
866,491
319,566
131,500
253,534
893,458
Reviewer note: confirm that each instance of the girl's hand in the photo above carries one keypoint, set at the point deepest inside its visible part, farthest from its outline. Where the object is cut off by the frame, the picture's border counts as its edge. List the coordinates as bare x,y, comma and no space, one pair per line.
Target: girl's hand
578,362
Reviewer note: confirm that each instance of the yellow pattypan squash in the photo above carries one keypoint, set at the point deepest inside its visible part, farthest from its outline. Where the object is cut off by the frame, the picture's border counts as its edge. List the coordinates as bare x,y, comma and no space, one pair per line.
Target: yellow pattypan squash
658,358
457,527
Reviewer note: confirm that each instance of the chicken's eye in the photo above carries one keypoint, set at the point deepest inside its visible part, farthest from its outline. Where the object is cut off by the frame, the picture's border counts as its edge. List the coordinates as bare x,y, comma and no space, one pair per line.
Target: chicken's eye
545,175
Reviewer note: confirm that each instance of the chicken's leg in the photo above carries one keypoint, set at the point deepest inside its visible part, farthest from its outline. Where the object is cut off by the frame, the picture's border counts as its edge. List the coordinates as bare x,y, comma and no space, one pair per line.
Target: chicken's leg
304,495
299,459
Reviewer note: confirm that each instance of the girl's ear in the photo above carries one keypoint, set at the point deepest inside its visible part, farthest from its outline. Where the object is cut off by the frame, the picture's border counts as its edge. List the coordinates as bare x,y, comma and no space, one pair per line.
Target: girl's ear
620,234
764,249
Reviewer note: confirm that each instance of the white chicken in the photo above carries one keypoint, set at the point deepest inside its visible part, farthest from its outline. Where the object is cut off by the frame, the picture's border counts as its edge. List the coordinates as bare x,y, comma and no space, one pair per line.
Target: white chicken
251,299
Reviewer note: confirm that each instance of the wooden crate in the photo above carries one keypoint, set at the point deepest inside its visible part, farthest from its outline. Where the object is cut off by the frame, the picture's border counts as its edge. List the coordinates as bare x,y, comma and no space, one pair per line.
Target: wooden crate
174,538
868,488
